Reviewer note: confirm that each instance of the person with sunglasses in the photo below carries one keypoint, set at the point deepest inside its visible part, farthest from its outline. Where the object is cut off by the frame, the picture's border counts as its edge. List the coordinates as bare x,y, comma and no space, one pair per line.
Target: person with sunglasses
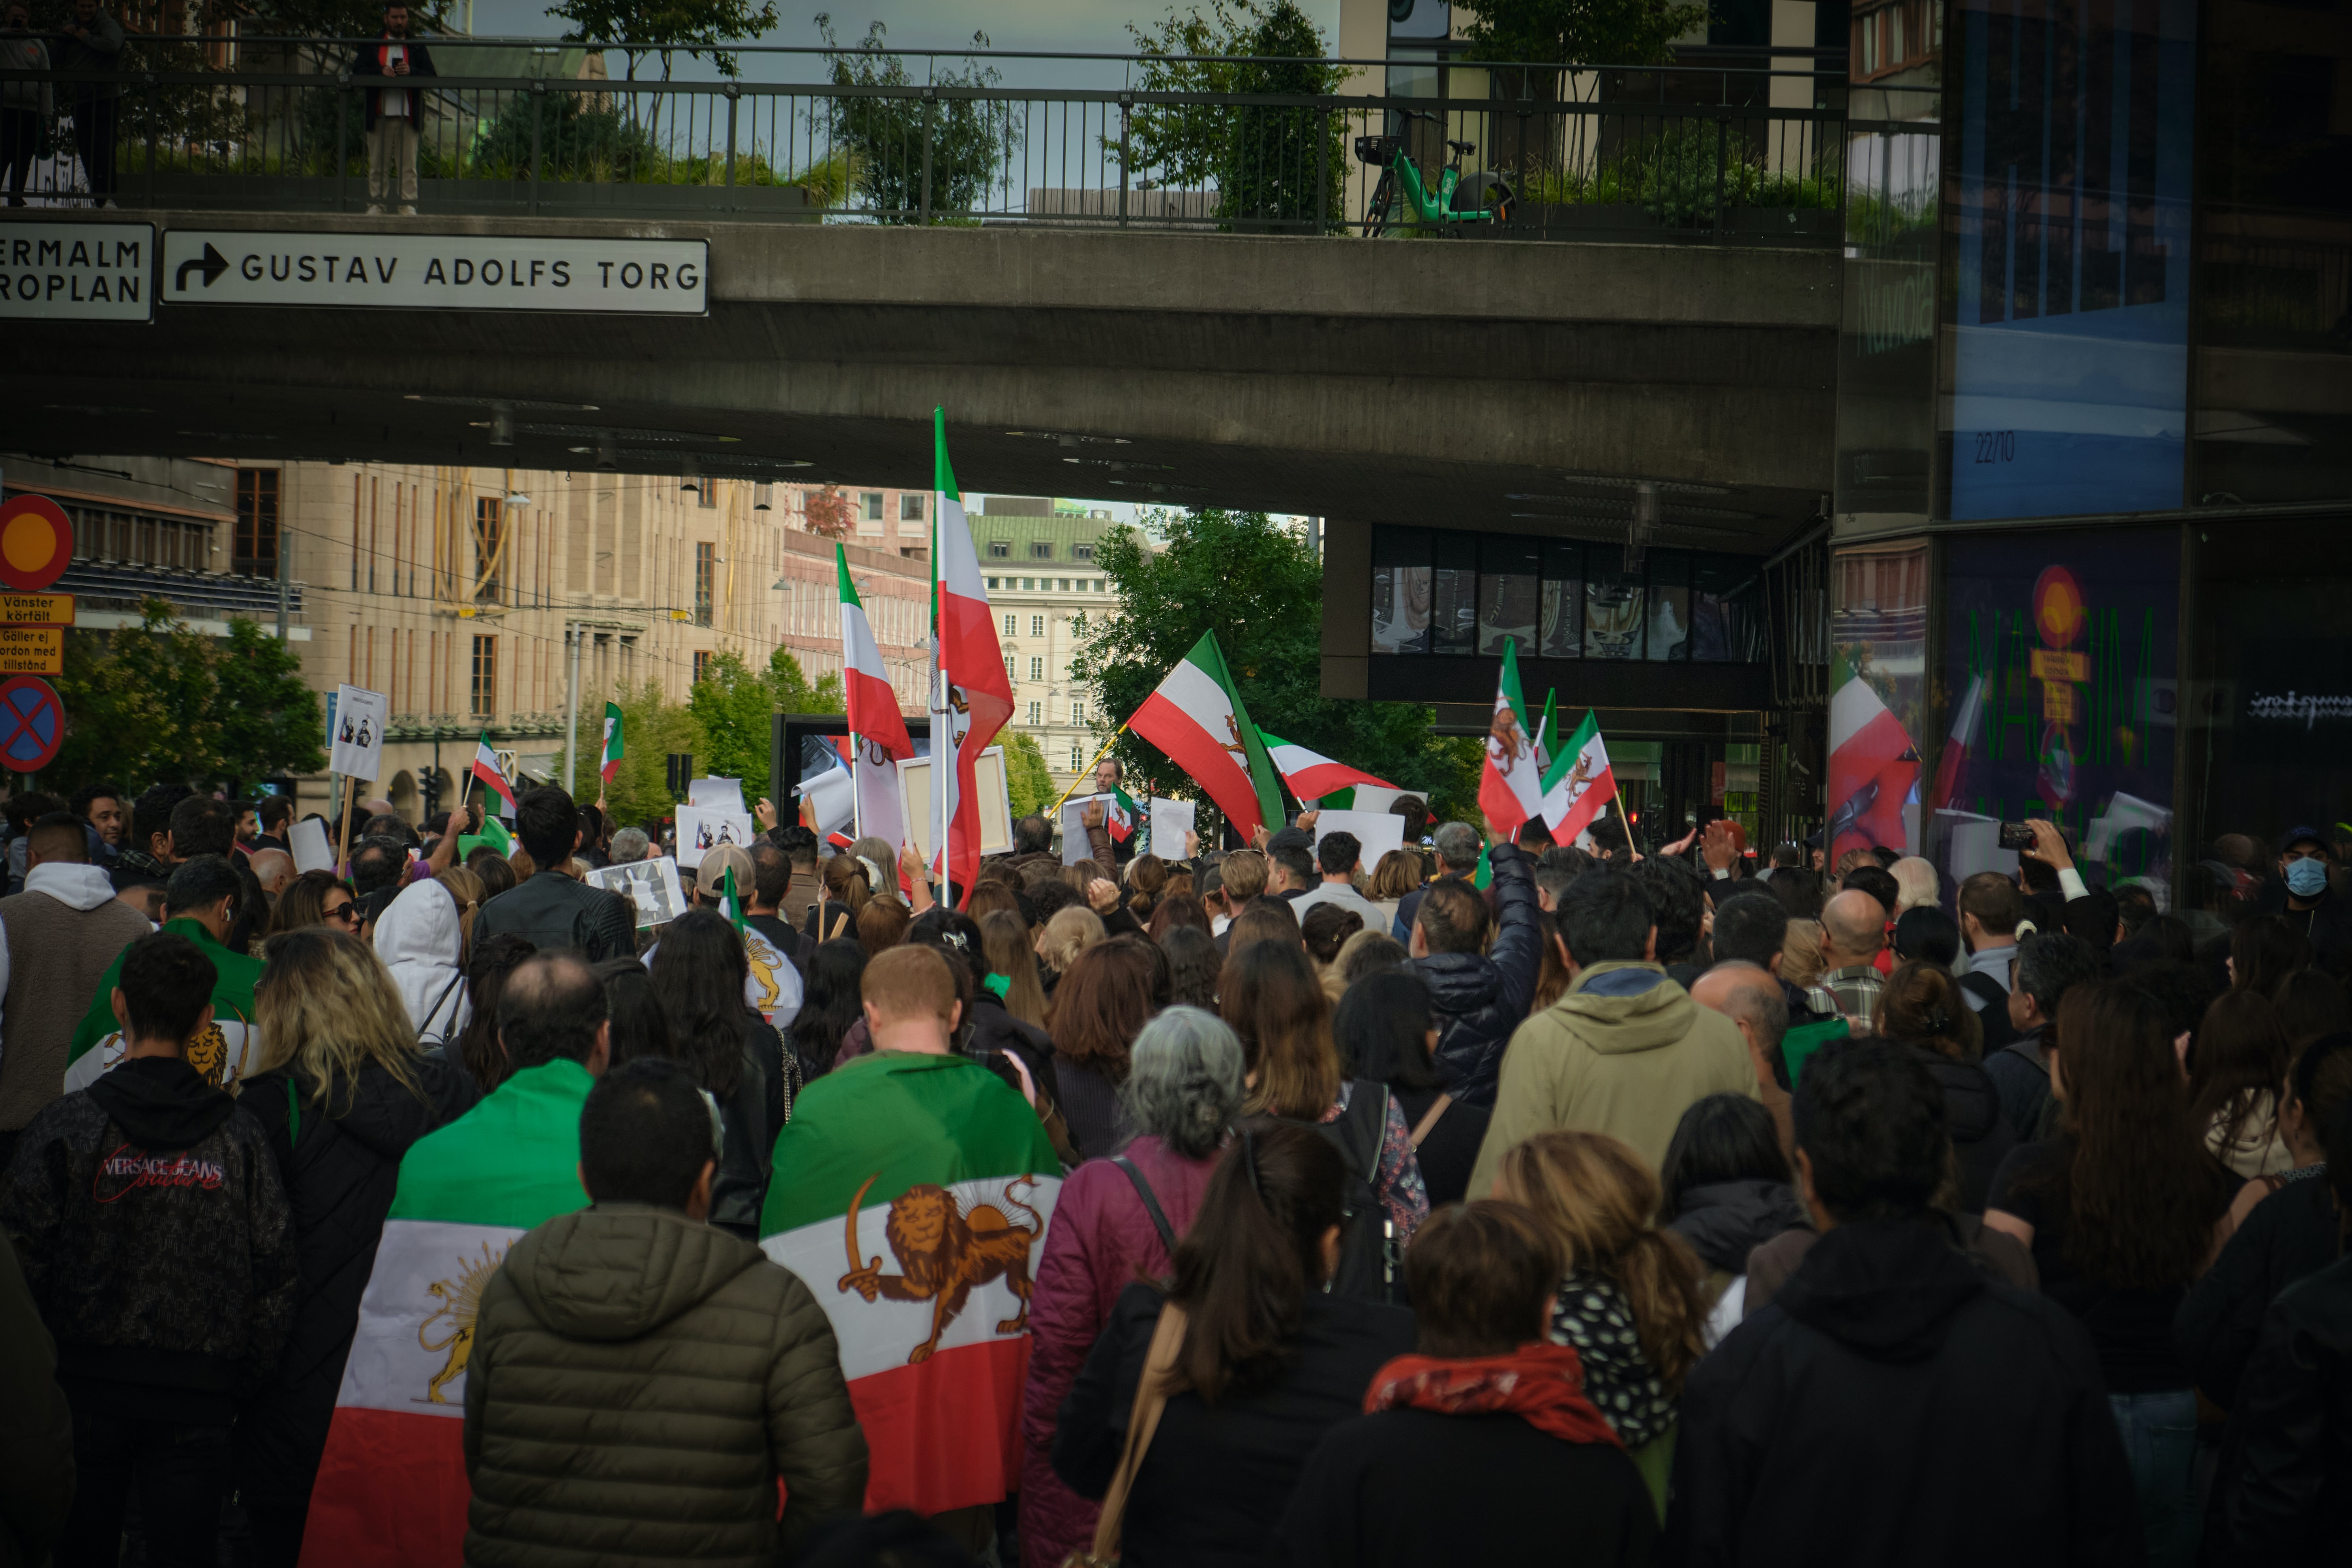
316,898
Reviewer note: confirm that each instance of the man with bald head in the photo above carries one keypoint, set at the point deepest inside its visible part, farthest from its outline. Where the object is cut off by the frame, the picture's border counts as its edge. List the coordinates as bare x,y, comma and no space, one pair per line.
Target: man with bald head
273,868
1853,931
1750,995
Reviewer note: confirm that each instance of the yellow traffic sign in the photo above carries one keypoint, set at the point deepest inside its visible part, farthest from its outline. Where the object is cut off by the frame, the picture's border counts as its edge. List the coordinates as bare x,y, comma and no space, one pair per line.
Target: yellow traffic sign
37,609
32,650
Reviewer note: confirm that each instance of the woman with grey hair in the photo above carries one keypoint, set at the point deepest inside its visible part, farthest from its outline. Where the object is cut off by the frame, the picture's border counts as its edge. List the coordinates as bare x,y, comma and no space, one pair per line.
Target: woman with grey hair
1117,1217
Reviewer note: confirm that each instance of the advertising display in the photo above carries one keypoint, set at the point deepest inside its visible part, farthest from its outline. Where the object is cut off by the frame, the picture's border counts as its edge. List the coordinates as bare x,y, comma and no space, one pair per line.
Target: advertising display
1878,666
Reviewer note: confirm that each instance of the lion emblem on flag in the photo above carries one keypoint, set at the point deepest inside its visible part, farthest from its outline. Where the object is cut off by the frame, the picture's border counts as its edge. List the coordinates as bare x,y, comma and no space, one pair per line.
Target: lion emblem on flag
944,1252
461,1301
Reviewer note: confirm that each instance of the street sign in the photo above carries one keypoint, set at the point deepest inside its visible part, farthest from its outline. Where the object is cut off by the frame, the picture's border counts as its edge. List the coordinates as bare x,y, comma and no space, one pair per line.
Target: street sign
37,609
32,650
435,271
78,271
36,541
32,723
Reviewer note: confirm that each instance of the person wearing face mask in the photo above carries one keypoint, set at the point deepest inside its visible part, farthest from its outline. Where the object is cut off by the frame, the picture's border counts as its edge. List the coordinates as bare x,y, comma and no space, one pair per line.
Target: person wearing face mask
2302,895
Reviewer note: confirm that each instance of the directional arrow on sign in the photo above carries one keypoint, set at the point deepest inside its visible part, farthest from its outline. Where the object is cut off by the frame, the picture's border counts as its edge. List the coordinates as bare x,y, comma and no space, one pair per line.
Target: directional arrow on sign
212,266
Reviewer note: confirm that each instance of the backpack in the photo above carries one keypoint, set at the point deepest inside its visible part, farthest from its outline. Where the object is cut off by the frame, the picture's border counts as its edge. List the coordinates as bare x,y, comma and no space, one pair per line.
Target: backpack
1370,1254
1999,1031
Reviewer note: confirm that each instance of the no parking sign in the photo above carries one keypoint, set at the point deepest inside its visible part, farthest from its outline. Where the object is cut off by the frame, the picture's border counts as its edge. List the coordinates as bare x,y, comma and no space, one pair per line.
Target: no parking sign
32,723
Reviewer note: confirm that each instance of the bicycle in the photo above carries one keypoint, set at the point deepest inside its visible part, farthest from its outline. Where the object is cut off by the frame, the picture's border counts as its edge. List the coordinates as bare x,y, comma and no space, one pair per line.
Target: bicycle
1483,197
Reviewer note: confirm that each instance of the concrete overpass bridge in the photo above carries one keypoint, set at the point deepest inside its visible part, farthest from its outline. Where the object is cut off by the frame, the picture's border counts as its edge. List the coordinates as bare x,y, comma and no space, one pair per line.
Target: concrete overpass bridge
1508,386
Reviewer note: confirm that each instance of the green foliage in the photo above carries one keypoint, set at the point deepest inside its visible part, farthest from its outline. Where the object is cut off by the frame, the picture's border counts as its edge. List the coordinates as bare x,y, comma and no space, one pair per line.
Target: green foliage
1672,175
1027,779
163,702
576,139
734,707
1580,31
654,727
973,142
726,724
667,27
1261,589
1264,159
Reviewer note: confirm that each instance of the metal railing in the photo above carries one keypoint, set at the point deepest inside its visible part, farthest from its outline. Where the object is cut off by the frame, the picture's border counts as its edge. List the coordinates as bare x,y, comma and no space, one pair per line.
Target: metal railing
1722,152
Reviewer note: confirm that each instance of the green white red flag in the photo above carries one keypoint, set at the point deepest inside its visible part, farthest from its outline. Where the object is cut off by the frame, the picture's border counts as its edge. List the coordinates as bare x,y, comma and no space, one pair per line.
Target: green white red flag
877,727
491,776
1120,815
971,698
1312,775
615,748
1197,718
1580,783
391,1488
1510,789
893,1169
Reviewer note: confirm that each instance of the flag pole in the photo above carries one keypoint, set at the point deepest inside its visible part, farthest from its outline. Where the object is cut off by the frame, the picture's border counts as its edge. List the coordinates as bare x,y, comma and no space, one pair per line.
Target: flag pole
1090,768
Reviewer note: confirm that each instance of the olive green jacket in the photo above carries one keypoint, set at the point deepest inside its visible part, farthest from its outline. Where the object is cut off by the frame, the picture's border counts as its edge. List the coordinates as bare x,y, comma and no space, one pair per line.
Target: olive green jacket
638,1382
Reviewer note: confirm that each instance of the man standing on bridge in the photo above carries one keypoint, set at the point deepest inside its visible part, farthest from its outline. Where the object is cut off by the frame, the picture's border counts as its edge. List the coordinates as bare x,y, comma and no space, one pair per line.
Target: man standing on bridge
394,116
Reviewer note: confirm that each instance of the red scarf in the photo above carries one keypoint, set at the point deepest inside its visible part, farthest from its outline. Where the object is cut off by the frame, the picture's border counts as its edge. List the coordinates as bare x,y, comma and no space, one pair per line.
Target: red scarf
1540,1382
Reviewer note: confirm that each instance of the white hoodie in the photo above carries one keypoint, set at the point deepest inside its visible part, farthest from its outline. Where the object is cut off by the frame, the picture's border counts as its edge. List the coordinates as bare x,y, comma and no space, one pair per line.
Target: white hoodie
418,939
73,883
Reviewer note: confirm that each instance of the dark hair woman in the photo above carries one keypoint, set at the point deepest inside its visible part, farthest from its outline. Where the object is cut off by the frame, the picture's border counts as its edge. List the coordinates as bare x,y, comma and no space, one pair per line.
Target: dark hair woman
2264,951
316,898
1259,1365
2237,1071
639,1027
1005,935
1728,1190
842,889
1922,1009
1193,963
1176,909
1488,1408
2122,1211
830,1004
1270,996
698,972
2311,1004
487,968
1109,991
1016,1050
1386,1033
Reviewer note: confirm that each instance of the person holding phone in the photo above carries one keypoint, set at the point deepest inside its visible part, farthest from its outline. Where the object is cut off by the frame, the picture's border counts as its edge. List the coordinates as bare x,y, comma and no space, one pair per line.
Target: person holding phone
393,113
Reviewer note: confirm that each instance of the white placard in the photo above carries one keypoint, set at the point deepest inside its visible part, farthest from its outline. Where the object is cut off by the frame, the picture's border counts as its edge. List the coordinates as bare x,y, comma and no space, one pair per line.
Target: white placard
701,828
307,841
356,745
831,801
78,271
435,271
1075,845
1377,831
727,794
1171,820
1374,797
988,783
651,887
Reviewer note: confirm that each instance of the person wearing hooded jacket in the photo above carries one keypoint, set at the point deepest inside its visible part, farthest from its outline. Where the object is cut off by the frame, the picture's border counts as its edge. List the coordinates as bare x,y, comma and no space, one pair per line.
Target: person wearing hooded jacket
423,946
638,1377
154,1237
1893,1403
1922,1009
1478,998
345,1090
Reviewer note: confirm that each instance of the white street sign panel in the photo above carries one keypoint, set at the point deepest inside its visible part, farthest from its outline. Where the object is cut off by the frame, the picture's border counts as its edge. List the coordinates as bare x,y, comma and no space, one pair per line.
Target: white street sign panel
355,744
435,272
78,271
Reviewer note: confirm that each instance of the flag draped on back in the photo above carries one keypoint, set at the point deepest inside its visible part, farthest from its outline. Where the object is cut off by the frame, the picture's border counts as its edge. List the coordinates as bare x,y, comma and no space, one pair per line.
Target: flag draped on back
1581,782
1510,789
491,776
911,1193
614,748
1197,718
1310,774
875,722
225,1052
972,696
391,1488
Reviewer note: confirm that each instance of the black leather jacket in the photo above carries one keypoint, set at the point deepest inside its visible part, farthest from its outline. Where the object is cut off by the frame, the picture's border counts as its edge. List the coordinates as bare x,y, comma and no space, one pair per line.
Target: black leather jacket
2295,1409
1477,999
556,911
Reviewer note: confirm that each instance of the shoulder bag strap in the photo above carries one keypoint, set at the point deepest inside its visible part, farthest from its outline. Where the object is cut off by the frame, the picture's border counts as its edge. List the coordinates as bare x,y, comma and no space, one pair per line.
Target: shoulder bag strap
1150,1399
454,980
1150,1203
1429,1117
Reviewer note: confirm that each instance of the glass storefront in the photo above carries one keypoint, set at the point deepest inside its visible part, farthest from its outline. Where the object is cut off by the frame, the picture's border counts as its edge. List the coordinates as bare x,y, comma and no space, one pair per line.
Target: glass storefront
1878,668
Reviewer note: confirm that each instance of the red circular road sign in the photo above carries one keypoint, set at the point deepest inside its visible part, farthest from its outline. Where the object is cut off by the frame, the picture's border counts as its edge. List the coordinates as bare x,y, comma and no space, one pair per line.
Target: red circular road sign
36,542
32,723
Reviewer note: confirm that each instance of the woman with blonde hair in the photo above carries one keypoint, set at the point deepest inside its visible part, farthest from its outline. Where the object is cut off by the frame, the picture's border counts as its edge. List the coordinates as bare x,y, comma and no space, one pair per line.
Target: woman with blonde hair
345,1090
1915,885
1633,1303
1800,958
1398,873
1006,937
471,895
1070,932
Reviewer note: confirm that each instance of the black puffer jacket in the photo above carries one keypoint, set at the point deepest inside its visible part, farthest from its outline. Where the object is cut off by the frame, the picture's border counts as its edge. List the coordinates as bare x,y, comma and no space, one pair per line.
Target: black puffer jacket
1724,1221
1479,999
2295,1409
1981,1136
340,1162
750,1118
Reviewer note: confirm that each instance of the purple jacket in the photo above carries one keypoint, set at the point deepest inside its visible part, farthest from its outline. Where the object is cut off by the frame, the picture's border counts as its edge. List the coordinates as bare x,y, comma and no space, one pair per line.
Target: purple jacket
1099,1238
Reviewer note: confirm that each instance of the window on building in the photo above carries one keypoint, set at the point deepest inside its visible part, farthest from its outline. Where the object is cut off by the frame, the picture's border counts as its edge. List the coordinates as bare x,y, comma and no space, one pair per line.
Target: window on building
910,507
1082,552
257,523
992,582
1008,667
999,549
873,504
706,582
1077,756
1009,619
1036,716
489,546
1078,712
1036,625
1036,669
486,676
1039,550
701,664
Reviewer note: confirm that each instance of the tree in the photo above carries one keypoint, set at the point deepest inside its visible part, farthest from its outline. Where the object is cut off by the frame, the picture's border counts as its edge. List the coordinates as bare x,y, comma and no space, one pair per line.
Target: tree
139,703
694,27
1263,159
1027,779
266,718
1260,588
830,514
1581,32
735,710
970,142
656,727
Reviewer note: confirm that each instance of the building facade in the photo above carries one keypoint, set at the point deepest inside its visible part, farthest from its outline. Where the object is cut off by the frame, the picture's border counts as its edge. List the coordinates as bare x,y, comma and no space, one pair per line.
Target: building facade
1038,559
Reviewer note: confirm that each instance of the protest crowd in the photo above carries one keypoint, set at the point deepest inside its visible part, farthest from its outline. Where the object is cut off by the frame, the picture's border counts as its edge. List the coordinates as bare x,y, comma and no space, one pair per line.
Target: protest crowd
1503,1201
